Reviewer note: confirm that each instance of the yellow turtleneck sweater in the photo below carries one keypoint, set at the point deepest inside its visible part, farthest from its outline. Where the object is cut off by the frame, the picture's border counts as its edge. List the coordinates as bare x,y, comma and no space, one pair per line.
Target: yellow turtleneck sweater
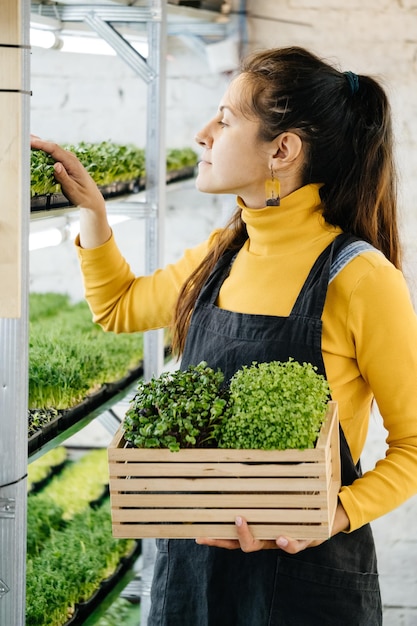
369,327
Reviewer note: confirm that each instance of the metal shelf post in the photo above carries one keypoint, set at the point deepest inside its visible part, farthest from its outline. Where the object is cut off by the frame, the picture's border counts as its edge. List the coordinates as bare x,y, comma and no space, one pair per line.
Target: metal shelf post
152,72
155,188
14,229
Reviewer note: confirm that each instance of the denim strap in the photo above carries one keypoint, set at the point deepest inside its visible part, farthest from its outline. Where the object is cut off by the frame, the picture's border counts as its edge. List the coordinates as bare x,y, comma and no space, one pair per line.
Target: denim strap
346,255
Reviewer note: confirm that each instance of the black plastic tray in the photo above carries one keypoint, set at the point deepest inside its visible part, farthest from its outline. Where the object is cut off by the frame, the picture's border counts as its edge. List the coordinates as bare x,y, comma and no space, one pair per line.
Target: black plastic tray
84,609
54,201
88,408
59,201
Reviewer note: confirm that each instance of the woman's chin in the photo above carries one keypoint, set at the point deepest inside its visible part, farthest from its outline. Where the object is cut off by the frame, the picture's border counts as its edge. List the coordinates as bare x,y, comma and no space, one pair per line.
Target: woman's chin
203,187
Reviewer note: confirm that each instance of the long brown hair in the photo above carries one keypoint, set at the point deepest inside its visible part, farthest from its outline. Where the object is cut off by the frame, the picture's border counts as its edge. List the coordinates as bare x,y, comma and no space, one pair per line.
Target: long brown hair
347,136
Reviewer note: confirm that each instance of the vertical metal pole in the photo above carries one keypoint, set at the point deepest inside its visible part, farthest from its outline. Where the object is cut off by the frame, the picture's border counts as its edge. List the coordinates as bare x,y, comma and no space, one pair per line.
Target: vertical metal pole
155,76
15,183
156,199
155,172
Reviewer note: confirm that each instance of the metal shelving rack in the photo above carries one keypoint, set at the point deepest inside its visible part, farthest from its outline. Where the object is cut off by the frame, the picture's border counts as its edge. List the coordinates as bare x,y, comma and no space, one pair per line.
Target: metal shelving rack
14,212
15,18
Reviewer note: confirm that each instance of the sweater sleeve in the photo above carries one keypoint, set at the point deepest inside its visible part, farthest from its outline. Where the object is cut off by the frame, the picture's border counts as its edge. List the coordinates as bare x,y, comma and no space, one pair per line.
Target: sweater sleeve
383,328
120,301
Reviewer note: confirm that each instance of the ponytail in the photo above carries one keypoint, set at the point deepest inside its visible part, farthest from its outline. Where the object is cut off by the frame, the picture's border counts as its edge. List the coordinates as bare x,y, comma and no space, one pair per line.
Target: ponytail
360,193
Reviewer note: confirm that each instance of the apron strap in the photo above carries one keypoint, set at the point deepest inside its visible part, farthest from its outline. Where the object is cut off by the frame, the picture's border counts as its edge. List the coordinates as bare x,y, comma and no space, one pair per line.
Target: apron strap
347,254
311,299
210,290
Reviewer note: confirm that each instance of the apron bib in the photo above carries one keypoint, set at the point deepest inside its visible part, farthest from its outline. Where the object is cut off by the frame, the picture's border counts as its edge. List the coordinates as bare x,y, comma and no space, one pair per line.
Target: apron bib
334,584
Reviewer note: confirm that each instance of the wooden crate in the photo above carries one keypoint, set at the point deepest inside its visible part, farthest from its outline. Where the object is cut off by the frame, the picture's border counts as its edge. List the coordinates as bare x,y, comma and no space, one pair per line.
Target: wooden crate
198,492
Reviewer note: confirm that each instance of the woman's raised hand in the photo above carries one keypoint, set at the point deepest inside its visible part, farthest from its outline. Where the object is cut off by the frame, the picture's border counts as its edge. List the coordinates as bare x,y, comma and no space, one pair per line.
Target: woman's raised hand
80,189
77,185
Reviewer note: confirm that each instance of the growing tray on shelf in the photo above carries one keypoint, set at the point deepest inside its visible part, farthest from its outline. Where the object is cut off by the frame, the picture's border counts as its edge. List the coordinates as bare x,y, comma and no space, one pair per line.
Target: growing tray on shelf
49,202
59,201
198,492
83,610
68,418
182,174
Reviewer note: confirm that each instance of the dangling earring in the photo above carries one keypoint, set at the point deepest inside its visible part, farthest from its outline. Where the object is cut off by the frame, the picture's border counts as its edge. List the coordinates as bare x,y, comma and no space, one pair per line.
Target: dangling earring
272,189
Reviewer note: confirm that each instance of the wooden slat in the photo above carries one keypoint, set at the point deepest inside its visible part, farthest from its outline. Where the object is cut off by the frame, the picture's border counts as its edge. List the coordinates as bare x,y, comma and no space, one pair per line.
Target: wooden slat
142,470
116,443
332,500
11,114
219,500
190,455
265,516
327,425
11,60
10,22
334,439
218,531
190,485
10,206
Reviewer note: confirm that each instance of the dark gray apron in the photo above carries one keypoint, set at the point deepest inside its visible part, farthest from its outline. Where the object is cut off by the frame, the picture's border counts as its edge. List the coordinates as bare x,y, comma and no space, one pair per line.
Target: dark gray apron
334,584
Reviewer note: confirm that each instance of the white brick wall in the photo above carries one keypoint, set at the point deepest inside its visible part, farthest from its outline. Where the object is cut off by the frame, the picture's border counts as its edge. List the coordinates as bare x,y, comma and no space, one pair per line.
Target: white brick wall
95,98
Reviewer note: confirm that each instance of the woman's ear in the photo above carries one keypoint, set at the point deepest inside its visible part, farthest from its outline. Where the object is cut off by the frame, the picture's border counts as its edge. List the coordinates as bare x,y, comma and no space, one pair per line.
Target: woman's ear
288,149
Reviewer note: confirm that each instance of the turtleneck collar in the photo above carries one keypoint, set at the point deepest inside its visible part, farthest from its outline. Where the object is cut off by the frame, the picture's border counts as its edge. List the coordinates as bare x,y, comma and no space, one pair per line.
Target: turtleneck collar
296,222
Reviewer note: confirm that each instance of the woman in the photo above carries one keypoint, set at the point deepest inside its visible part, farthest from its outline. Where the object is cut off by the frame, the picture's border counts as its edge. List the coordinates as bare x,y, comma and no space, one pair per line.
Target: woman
311,271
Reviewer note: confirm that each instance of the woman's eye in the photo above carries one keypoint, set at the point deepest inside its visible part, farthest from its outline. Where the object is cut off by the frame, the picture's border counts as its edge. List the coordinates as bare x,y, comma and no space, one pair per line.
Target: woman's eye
222,123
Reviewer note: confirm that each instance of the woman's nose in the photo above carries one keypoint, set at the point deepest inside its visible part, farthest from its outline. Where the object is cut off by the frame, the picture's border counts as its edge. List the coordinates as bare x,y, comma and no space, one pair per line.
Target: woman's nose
203,138
200,140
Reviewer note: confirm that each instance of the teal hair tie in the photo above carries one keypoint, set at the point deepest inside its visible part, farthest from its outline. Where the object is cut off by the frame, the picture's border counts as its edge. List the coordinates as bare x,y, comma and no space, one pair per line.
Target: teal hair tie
353,80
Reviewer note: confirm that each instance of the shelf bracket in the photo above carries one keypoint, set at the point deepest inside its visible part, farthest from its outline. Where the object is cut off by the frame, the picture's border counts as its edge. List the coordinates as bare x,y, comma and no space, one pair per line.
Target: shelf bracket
123,48
7,509
3,588
131,209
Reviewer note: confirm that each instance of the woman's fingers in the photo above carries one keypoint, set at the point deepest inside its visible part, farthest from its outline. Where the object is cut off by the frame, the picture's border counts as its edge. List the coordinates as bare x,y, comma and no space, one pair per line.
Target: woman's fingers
67,159
247,542
292,546
77,184
228,544
56,151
